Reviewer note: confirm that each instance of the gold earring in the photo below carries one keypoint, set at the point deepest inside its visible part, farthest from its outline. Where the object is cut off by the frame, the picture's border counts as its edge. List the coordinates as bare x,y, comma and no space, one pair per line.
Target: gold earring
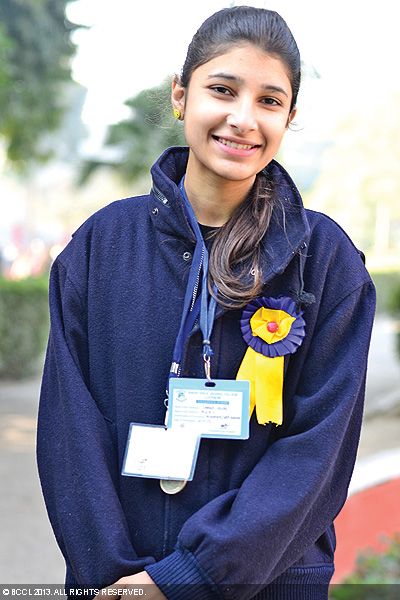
177,114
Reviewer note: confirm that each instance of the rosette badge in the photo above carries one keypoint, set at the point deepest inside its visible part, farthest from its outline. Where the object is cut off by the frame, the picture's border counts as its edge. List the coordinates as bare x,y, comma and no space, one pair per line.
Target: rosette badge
272,328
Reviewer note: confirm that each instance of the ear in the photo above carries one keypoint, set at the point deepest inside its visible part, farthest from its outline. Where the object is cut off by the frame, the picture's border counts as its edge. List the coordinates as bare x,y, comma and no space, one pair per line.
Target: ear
291,116
178,95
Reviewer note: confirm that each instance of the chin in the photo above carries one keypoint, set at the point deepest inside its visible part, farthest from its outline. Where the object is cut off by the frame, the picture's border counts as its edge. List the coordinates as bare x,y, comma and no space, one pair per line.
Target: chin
239,171
236,175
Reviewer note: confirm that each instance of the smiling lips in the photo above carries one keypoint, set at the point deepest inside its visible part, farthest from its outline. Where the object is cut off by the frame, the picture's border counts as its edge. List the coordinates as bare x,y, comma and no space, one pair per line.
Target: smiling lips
236,147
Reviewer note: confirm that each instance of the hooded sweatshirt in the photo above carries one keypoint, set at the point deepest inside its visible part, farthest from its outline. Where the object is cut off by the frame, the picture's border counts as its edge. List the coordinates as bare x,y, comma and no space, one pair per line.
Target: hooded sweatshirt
256,521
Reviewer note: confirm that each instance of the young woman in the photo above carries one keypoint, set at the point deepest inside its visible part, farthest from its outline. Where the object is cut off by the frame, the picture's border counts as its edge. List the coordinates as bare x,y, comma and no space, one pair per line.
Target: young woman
277,295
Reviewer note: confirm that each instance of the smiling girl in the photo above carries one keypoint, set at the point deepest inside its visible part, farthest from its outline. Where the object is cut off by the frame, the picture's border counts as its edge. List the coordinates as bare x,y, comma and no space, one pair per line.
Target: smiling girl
200,286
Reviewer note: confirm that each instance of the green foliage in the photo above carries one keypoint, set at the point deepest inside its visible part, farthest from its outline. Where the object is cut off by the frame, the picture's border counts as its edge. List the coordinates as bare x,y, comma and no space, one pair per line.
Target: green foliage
140,139
24,325
372,570
387,291
393,306
5,58
35,50
394,299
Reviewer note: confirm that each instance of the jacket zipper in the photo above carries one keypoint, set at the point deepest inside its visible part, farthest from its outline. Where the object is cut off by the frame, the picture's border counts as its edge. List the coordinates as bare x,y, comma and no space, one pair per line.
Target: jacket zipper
196,285
194,296
160,196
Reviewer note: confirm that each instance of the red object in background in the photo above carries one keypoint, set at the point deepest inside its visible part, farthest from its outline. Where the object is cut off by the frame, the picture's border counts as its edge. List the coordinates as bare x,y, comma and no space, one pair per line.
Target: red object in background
366,518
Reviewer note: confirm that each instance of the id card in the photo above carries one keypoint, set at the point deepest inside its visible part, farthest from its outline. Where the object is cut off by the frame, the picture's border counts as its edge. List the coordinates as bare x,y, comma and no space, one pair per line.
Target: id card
155,452
214,409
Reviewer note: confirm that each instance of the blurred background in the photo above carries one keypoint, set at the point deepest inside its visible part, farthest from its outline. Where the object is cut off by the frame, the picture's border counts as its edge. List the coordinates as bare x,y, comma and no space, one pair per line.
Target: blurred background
84,112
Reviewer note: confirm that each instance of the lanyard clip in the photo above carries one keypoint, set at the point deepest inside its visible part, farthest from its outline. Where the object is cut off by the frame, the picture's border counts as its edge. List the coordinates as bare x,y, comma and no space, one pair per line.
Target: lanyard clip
207,353
207,366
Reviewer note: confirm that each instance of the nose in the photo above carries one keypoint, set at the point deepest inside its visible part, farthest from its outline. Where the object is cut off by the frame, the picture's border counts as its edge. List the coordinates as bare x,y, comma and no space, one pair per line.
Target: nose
242,116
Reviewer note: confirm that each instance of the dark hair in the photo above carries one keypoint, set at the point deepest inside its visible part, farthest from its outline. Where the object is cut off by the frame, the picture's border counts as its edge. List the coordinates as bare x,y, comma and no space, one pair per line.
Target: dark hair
264,28
234,258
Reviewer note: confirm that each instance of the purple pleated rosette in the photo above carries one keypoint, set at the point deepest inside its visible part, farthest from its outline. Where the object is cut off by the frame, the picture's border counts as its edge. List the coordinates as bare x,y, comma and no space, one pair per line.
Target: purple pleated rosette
287,345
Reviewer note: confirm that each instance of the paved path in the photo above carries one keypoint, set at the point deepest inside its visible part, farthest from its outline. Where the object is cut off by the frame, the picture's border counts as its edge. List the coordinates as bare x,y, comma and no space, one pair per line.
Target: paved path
28,552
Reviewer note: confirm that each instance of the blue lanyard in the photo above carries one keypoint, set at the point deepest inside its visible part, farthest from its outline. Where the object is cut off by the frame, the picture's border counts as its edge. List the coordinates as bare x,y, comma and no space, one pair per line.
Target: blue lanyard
194,304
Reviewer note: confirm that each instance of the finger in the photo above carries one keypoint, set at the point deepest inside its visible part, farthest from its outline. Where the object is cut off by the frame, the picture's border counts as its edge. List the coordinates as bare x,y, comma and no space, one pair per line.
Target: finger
110,591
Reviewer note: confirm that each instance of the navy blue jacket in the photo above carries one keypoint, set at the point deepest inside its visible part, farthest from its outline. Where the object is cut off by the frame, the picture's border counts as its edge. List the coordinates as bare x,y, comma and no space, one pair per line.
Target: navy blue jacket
257,518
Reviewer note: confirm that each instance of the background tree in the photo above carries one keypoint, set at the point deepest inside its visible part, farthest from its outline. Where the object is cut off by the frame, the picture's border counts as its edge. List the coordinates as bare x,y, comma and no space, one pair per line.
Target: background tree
133,145
35,52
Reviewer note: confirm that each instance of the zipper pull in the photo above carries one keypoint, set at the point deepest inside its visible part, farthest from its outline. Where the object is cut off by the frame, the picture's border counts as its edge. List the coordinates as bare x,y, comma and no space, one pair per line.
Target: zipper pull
166,412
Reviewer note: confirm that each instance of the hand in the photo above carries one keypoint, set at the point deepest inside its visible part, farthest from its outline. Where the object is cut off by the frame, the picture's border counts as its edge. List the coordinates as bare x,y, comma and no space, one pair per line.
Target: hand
139,579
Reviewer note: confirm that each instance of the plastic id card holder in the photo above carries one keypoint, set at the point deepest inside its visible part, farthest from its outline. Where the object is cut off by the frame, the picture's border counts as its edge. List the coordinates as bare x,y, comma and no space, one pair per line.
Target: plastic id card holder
214,409
159,453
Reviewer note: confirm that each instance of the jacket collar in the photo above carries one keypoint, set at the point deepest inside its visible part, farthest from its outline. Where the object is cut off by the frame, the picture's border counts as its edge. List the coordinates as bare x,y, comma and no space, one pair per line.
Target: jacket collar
287,233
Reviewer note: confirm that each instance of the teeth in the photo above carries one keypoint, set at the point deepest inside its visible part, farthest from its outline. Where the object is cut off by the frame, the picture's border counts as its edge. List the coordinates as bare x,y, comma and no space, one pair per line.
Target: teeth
234,145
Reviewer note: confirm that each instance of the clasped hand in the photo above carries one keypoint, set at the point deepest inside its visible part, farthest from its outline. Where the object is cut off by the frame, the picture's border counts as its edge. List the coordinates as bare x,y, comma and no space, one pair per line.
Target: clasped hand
139,579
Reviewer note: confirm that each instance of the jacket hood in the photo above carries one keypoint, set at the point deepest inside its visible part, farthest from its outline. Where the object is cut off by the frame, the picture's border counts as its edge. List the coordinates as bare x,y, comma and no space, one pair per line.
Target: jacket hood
288,231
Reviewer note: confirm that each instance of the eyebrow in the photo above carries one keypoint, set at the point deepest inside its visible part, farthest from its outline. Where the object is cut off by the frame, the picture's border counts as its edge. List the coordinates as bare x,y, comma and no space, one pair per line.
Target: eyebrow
268,87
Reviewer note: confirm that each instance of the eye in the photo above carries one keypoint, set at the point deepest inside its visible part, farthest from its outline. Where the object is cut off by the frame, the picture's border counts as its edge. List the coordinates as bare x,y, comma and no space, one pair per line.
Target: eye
271,101
221,89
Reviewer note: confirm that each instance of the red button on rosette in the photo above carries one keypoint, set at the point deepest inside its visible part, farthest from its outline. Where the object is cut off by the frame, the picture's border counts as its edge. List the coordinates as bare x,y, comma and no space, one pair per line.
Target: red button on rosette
289,342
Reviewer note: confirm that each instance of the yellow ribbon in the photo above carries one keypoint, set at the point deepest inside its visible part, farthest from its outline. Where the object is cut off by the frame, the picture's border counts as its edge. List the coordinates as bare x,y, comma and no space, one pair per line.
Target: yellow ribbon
264,373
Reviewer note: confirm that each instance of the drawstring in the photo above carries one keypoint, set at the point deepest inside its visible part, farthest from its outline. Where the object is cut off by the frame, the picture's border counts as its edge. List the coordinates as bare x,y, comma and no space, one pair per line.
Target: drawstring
303,298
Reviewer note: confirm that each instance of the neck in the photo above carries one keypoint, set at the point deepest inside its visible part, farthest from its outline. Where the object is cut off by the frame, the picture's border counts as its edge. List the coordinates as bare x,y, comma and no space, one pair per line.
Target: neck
213,198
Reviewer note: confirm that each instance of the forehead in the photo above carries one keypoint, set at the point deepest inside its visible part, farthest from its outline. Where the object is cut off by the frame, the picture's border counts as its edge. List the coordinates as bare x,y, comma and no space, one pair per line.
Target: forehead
248,63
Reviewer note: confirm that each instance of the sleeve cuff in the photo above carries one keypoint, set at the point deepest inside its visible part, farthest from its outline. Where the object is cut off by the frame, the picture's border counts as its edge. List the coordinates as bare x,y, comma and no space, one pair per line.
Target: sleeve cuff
179,577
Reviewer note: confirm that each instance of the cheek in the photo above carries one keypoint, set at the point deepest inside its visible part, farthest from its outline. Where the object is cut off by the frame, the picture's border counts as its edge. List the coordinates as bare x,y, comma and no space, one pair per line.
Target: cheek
191,131
197,125
277,128
203,116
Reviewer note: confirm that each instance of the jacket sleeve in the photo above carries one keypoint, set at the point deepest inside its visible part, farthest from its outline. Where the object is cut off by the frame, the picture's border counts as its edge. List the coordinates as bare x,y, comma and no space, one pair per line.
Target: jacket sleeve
76,458
249,536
